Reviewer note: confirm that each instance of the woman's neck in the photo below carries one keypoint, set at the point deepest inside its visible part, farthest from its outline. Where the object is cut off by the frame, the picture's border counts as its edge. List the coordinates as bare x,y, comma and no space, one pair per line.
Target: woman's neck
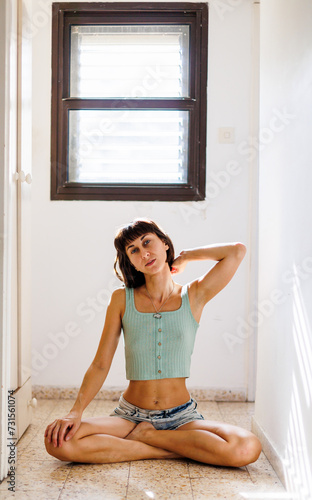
159,285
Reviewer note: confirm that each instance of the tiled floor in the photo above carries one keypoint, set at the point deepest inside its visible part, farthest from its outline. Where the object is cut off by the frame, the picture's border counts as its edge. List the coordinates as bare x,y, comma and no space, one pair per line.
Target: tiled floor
41,477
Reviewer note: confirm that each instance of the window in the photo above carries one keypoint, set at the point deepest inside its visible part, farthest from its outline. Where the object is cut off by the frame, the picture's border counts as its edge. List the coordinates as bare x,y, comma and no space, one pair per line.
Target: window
129,101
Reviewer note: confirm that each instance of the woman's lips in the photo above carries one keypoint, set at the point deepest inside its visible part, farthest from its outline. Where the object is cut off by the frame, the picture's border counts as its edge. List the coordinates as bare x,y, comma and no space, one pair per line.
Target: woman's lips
151,262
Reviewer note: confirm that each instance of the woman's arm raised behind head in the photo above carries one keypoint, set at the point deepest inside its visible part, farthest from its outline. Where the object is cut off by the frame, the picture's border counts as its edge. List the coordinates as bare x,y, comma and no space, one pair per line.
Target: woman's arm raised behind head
228,257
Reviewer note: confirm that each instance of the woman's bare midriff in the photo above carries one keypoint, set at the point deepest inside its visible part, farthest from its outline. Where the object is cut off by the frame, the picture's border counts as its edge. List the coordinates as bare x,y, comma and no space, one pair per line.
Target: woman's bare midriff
157,394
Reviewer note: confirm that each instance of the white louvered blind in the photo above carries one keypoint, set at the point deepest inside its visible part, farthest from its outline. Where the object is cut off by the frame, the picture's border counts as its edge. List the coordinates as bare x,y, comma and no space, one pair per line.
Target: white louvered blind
129,145
129,61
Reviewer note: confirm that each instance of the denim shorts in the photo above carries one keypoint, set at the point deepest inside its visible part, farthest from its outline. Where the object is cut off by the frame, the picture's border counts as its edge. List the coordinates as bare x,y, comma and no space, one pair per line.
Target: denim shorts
169,419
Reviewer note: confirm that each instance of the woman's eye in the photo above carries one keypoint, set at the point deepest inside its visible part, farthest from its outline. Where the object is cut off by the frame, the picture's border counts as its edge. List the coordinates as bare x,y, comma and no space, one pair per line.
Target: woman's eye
146,242
134,250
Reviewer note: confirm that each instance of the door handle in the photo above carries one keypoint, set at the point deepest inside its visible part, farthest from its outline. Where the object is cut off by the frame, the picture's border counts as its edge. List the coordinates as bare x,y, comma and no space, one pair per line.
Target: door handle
32,402
20,176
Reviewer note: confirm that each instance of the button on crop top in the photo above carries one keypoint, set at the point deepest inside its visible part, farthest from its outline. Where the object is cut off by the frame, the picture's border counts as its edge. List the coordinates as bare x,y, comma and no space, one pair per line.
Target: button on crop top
157,348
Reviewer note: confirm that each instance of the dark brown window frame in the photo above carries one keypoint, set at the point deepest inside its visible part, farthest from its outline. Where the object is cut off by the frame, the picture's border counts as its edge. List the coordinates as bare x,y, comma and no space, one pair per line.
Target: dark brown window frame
65,14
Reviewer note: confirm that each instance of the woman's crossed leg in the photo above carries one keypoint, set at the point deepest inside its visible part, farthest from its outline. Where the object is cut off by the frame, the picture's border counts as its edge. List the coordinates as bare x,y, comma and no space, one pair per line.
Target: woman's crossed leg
102,440
206,441
113,439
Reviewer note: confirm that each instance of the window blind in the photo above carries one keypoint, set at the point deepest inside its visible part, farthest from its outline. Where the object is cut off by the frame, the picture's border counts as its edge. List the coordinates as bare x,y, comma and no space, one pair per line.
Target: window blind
129,61
128,146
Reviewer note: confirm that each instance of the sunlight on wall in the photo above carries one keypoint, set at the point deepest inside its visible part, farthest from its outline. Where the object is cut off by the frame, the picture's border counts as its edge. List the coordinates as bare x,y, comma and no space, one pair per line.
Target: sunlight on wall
297,465
302,339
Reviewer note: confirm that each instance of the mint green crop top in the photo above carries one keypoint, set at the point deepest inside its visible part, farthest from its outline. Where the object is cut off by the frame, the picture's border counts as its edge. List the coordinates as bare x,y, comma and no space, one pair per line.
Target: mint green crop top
157,348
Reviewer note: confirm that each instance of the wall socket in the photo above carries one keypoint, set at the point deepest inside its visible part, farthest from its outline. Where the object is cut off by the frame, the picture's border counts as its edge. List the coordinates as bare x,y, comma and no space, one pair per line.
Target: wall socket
226,135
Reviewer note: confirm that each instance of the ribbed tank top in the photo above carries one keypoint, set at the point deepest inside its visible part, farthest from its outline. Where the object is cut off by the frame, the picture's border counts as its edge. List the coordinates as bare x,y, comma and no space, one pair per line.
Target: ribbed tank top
158,348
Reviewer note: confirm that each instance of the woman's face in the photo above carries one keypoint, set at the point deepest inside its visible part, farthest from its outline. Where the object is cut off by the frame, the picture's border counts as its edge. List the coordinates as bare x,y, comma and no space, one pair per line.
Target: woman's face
148,253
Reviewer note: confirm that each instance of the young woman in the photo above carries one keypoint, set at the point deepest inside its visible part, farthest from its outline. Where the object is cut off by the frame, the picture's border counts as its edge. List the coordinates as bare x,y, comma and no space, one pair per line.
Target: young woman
159,319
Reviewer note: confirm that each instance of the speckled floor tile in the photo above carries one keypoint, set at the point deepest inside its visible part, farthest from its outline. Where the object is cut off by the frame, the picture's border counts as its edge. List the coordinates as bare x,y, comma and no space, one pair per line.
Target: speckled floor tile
90,410
262,464
263,475
36,444
4,485
42,411
159,469
35,454
224,474
104,481
160,489
44,467
234,408
88,474
109,492
216,488
27,437
39,480
62,405
30,495
208,407
58,412
213,417
37,441
238,420
197,469
210,411
108,480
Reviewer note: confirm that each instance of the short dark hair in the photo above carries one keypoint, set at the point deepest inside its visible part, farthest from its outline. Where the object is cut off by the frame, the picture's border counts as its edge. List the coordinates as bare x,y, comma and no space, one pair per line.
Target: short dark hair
125,235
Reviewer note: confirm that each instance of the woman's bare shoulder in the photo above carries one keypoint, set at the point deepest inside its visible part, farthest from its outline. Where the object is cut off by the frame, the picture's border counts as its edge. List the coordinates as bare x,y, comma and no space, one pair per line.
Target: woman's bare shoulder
119,295
118,301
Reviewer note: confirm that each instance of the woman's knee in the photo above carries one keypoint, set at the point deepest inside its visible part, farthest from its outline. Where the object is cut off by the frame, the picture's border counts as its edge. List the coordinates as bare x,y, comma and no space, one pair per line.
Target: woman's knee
245,451
64,452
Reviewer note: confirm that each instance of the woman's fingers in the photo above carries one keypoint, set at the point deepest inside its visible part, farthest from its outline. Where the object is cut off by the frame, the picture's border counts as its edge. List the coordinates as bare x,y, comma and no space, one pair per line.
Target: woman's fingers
49,430
61,430
178,265
55,431
46,432
55,434
71,432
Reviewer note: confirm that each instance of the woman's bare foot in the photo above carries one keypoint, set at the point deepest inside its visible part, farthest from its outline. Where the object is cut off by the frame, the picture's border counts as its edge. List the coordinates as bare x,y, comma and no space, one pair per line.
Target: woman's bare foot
140,431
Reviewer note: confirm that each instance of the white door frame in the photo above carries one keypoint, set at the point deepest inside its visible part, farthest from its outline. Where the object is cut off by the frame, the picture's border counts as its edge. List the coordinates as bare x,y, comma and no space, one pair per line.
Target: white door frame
15,155
8,141
252,298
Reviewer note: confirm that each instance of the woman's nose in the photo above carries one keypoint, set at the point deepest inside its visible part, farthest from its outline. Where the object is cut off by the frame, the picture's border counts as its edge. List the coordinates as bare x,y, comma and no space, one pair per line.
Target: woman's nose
145,254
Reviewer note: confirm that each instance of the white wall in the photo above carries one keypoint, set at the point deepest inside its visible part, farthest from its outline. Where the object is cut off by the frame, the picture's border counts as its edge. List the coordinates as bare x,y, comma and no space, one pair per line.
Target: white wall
284,388
73,240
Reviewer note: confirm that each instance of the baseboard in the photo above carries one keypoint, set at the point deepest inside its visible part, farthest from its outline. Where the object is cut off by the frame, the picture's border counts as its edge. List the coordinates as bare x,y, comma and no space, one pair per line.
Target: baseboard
269,450
113,393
